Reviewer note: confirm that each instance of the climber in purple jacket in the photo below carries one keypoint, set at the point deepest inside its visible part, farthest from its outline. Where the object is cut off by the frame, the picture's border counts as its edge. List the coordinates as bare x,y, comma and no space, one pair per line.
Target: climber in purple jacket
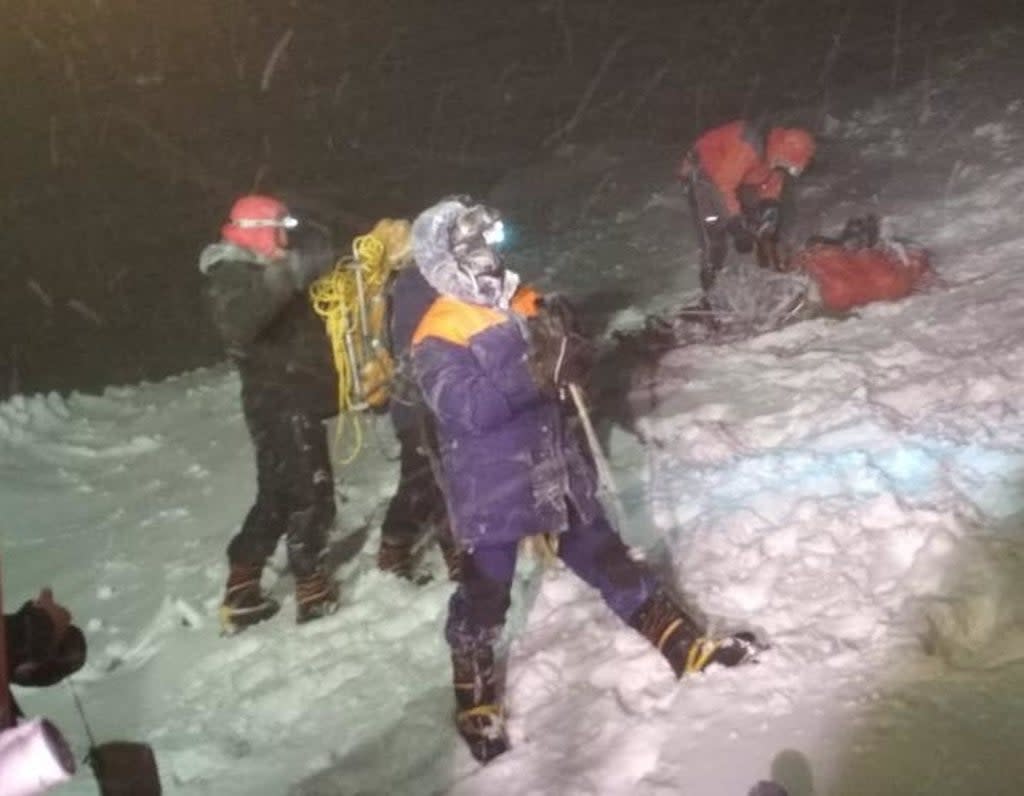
492,360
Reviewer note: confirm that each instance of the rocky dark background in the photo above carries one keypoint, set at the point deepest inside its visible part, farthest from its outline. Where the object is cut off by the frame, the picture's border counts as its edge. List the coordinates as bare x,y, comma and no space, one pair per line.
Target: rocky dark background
129,126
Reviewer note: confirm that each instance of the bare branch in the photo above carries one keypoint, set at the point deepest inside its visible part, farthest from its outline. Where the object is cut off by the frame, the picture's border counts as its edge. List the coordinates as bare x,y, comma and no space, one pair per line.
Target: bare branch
897,36
41,294
588,94
275,56
649,88
563,24
86,311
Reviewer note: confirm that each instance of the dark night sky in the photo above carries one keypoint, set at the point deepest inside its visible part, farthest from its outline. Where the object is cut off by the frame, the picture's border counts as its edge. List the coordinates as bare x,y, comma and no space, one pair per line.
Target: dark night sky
130,126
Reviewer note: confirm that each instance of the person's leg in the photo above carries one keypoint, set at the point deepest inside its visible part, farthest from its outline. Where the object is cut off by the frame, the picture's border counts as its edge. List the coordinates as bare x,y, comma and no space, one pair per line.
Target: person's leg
244,602
476,615
446,539
595,552
709,220
409,510
310,487
435,504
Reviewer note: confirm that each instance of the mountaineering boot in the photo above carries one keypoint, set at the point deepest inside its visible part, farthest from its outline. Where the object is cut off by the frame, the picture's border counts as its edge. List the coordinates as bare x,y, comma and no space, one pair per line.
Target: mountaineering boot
316,596
395,555
478,715
245,603
680,641
451,553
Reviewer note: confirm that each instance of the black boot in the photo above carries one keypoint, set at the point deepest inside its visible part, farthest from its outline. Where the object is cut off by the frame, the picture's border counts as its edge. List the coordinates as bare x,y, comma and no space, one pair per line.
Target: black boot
478,714
245,603
316,596
678,637
451,552
396,555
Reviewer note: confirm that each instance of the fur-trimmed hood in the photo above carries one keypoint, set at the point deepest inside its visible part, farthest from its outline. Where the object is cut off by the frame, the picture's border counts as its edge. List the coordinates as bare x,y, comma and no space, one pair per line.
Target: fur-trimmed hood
431,248
225,251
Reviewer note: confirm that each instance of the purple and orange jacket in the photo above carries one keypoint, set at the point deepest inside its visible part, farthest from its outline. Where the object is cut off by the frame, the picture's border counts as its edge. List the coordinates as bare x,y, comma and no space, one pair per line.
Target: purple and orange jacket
510,462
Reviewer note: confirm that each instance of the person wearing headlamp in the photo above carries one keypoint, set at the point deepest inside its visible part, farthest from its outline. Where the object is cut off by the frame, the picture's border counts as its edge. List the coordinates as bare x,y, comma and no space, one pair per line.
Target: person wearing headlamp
256,282
735,175
493,360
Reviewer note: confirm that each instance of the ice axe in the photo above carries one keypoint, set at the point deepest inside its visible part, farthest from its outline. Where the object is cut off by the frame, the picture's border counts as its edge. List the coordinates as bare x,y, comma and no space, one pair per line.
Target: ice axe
604,472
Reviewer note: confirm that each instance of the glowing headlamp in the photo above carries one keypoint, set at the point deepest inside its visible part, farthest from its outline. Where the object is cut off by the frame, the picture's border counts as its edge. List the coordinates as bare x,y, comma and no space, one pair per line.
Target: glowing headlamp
494,234
288,222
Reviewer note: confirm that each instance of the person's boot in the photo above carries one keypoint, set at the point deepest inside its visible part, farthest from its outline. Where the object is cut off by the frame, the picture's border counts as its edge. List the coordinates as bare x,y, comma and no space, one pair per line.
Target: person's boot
245,603
478,714
451,553
679,639
396,555
316,596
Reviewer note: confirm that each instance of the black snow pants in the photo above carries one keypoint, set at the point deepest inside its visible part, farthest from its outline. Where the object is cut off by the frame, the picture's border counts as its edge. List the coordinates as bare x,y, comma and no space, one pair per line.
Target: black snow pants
295,489
709,216
418,504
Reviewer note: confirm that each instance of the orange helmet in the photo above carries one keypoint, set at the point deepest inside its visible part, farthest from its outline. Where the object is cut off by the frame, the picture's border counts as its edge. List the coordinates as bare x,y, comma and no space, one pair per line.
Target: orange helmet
258,223
790,149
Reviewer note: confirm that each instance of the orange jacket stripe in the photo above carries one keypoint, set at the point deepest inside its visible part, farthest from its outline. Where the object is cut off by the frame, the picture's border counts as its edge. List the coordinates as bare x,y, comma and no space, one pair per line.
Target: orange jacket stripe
458,321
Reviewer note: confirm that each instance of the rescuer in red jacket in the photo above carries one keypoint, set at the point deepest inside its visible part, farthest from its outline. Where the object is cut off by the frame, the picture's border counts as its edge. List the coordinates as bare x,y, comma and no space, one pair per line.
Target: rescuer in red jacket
736,174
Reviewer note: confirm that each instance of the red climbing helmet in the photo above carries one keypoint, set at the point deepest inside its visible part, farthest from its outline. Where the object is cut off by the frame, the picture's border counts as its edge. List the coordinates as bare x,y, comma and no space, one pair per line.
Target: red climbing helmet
258,222
790,149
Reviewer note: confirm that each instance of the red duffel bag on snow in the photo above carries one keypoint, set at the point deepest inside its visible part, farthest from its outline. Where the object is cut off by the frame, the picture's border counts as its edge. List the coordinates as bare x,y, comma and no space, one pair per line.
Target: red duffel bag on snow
849,273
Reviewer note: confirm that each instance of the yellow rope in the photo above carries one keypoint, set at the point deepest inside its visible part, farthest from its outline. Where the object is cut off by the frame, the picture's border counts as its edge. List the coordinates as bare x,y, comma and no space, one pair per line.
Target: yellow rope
343,299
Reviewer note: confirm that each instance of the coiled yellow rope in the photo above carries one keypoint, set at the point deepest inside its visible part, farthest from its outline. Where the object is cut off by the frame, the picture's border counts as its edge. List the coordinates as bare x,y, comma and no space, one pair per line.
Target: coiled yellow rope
346,298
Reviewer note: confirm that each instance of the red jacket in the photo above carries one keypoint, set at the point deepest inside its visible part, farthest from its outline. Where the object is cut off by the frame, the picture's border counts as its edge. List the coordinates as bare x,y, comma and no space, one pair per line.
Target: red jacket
732,158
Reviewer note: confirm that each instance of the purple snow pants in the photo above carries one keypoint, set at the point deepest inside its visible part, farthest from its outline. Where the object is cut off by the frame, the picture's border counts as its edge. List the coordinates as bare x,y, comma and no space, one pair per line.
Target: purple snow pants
594,551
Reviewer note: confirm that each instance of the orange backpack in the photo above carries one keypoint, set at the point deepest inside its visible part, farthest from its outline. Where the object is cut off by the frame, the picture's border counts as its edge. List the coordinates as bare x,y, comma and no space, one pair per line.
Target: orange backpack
848,278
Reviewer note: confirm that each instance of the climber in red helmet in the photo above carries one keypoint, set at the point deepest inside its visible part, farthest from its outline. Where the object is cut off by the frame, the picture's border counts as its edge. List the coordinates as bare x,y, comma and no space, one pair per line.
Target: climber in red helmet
256,286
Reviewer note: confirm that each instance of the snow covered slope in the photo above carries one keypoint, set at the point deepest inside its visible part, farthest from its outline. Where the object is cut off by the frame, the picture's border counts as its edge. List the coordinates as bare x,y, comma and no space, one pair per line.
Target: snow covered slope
854,489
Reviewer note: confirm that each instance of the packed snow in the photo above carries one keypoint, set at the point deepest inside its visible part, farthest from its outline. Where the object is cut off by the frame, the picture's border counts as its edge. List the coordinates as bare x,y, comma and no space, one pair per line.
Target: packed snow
852,489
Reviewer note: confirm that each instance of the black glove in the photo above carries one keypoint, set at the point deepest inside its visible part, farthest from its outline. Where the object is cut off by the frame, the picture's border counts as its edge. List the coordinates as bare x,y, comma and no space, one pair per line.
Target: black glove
742,238
67,658
768,216
559,353
40,653
310,257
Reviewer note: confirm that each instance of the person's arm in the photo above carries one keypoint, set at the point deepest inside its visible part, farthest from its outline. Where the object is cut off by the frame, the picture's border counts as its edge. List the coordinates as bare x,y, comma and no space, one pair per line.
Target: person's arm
760,184
30,635
244,298
457,390
43,647
478,385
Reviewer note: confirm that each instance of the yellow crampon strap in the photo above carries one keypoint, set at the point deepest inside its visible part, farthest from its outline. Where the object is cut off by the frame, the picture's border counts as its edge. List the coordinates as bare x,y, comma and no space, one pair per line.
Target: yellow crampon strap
543,547
700,654
489,710
668,631
349,300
